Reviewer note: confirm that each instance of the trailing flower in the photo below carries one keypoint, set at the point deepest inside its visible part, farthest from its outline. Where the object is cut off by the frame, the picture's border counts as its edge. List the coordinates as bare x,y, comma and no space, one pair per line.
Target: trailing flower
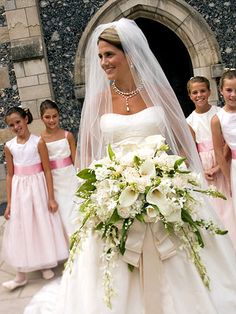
143,182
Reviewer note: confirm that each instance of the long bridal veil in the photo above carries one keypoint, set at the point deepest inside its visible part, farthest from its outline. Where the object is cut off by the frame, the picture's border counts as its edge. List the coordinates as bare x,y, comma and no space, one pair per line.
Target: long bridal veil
218,254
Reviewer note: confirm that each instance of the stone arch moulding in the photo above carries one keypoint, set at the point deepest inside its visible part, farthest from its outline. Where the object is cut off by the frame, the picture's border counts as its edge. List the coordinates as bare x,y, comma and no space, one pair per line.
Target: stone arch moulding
178,16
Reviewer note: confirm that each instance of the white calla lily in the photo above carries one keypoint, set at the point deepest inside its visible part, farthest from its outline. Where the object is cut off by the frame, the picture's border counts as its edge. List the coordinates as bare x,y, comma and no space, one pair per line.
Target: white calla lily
128,197
156,197
147,168
151,211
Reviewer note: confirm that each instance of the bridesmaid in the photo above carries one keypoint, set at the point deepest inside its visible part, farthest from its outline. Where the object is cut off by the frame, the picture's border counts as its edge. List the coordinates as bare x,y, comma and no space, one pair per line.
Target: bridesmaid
199,122
61,148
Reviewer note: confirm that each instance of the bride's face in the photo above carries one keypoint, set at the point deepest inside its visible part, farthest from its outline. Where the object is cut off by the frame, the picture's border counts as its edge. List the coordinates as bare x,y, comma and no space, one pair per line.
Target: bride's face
113,61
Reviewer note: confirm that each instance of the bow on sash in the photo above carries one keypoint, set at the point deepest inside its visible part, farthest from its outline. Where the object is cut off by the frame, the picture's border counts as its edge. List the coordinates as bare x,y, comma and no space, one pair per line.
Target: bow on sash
147,245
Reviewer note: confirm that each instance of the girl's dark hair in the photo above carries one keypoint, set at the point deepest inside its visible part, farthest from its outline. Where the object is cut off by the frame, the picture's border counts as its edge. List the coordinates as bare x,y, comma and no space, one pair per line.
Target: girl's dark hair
48,104
228,74
197,79
23,112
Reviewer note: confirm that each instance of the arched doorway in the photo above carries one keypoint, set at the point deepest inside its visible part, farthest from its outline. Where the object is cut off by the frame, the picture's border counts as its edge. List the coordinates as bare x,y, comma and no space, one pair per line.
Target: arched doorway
177,66
190,45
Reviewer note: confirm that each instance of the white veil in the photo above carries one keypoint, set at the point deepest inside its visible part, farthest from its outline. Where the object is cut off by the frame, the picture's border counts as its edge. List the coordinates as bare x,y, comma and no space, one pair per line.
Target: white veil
157,92
219,256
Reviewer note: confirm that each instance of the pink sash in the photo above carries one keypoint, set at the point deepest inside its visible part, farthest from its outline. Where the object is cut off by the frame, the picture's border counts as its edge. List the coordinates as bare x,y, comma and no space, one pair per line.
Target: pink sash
60,163
28,170
233,153
205,146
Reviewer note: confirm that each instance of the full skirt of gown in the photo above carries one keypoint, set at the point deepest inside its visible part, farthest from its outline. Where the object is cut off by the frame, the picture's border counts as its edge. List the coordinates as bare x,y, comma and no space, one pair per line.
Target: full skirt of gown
181,288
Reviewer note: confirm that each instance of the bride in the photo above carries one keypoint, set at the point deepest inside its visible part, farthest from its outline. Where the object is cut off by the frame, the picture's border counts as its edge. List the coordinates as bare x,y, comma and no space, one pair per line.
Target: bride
128,98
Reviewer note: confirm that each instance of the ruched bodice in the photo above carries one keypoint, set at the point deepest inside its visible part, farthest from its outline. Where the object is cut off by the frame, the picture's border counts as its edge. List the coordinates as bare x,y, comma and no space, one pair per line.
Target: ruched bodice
117,128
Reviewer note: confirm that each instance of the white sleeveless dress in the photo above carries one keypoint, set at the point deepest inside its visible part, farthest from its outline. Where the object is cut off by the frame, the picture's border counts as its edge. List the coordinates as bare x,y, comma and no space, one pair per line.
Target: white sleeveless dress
201,125
228,126
33,237
81,291
64,182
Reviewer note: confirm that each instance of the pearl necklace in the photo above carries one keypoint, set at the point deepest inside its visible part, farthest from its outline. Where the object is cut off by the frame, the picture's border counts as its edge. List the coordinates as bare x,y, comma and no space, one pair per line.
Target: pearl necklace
127,95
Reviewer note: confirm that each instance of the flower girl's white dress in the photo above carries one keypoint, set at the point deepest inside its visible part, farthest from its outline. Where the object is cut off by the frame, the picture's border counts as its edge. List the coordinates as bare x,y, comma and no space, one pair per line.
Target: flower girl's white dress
182,291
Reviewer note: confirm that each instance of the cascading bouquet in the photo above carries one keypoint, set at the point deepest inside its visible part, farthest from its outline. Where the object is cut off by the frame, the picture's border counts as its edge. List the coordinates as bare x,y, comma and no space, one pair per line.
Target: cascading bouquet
141,182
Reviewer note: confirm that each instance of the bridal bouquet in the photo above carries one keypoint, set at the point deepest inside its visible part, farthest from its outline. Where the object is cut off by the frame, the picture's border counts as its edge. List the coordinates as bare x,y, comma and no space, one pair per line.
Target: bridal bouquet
141,182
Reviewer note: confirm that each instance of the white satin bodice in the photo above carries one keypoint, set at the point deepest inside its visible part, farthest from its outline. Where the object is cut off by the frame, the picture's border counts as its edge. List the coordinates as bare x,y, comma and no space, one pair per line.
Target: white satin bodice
228,122
117,128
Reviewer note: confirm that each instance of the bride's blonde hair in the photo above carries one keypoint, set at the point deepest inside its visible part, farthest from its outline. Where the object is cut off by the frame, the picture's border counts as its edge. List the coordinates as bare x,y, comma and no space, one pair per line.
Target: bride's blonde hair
110,35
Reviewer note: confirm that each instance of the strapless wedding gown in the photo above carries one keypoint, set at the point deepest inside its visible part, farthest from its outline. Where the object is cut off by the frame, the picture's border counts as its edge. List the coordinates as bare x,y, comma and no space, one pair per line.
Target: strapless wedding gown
81,290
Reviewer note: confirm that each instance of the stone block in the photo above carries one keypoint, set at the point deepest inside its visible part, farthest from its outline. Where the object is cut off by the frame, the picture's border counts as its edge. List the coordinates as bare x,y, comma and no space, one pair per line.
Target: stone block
4,78
9,5
32,16
19,69
17,24
4,35
80,91
27,49
34,67
35,30
43,78
217,70
25,3
27,81
176,10
32,92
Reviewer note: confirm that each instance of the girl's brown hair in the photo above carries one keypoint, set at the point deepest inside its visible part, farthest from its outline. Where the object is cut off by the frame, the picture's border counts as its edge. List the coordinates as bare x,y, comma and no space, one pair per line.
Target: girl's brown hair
48,104
23,112
197,79
227,74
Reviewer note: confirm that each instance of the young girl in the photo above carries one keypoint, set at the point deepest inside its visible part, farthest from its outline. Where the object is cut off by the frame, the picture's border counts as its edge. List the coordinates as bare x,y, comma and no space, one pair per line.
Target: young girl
61,148
34,238
224,129
200,125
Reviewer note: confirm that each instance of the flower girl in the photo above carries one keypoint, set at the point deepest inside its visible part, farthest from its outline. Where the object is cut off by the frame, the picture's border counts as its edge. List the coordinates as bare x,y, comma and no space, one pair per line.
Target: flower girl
223,129
34,238
61,149
199,122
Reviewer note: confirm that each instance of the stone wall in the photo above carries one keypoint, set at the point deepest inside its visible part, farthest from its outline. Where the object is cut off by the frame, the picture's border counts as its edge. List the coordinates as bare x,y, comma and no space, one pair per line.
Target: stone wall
220,16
